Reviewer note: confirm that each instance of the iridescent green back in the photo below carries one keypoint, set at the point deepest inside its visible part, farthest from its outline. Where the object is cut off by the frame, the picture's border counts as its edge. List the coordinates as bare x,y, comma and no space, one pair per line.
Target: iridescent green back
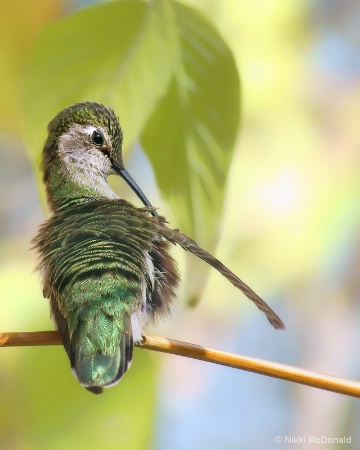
94,257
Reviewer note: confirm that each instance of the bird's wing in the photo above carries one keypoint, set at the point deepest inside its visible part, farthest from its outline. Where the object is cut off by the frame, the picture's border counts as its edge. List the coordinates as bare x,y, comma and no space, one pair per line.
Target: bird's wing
188,244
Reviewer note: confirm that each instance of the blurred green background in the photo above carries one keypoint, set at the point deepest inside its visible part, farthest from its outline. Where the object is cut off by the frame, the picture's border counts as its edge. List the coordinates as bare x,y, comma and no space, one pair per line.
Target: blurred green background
290,228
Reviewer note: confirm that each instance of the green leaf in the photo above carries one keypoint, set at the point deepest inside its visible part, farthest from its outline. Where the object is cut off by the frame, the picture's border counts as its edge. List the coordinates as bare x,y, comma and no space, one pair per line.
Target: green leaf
190,137
114,53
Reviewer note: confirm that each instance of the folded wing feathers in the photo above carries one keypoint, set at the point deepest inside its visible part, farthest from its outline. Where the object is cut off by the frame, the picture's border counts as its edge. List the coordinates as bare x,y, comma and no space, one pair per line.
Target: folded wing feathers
188,244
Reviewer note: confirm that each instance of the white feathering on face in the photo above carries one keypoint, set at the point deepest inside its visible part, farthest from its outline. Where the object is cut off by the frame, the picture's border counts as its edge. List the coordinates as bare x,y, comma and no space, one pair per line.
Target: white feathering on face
85,164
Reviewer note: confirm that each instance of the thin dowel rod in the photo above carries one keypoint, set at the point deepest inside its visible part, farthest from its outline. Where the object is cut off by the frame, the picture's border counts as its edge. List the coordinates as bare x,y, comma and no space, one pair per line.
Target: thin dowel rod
160,344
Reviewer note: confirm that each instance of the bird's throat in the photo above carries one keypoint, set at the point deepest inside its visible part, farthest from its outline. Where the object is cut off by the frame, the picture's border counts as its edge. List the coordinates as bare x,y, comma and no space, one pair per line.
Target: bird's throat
66,183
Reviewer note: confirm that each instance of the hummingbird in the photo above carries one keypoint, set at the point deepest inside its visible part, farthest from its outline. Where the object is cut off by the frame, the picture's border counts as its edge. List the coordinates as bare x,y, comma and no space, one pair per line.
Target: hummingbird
105,263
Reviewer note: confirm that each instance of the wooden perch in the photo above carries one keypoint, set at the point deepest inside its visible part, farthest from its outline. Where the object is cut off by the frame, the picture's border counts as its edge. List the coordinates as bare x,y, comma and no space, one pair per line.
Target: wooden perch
160,344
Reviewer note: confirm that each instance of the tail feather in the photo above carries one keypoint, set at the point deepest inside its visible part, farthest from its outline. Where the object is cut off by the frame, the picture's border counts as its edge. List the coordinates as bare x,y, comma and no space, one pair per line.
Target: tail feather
190,245
99,365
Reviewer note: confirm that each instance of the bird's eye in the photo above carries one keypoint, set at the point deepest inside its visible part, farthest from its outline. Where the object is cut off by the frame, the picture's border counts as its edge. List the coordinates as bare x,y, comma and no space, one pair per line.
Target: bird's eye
97,138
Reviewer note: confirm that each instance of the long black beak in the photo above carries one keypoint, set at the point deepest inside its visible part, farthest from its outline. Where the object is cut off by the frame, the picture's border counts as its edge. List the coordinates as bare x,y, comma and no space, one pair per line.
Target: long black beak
131,182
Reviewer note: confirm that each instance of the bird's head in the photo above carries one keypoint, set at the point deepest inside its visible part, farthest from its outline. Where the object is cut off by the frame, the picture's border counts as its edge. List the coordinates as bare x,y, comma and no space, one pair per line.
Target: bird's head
85,144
